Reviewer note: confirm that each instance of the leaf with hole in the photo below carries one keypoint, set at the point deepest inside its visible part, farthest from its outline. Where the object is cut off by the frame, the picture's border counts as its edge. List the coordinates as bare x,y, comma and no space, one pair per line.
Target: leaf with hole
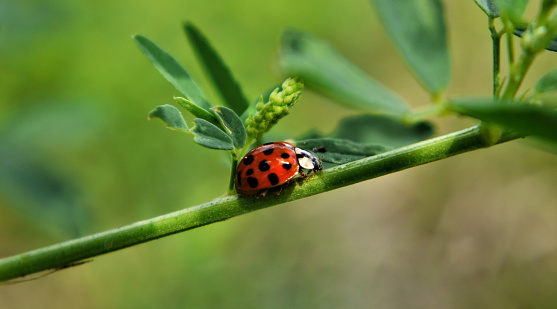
210,136
417,28
327,71
171,70
217,70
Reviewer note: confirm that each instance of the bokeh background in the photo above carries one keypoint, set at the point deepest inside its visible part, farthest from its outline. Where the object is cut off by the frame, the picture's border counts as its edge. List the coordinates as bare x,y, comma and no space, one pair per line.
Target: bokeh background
78,156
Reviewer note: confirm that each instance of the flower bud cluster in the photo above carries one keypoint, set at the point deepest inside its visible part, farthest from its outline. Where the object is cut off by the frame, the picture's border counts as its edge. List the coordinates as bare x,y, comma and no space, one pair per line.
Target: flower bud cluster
268,114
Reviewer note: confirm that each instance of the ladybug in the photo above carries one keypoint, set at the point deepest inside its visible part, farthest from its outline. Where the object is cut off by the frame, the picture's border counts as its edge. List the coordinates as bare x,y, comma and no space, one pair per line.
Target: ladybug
272,165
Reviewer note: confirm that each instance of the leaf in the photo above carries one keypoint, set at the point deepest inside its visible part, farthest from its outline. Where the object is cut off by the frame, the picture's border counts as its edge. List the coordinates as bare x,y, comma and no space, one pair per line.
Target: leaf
171,70
233,124
489,7
378,130
548,82
417,28
552,46
217,70
525,119
210,136
340,151
511,10
324,69
171,116
196,111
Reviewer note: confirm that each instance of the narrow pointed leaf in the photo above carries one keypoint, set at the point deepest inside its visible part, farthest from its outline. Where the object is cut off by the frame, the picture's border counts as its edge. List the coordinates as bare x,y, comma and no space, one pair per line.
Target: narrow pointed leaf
417,28
525,119
217,70
489,7
548,82
171,116
327,71
195,110
171,70
233,124
340,151
210,136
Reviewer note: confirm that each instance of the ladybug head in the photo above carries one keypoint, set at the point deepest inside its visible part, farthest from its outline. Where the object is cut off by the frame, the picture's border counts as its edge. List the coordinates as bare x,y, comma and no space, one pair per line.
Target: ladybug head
308,160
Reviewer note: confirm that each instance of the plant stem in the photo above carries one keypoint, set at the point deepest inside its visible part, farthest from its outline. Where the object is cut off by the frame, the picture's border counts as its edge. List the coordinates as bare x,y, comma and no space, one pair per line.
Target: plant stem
516,76
63,254
231,182
496,42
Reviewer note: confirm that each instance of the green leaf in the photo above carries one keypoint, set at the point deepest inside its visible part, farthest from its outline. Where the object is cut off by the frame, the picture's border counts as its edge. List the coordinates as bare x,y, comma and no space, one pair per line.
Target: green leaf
171,70
340,151
511,10
378,130
525,119
324,69
548,82
171,117
417,28
489,7
210,136
217,70
233,124
196,111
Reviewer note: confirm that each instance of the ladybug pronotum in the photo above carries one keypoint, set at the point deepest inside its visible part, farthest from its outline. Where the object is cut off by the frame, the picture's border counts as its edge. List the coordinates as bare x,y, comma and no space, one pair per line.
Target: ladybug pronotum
272,165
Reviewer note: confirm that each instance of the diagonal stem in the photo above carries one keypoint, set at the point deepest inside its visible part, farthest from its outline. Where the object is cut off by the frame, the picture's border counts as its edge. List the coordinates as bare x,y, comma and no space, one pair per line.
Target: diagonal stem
64,254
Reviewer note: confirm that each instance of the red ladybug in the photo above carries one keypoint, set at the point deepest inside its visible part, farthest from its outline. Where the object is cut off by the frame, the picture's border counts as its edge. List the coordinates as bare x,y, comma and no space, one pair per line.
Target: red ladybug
271,165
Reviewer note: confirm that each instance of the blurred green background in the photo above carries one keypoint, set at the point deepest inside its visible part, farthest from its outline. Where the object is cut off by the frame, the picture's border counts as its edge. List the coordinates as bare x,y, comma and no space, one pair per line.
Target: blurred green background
78,156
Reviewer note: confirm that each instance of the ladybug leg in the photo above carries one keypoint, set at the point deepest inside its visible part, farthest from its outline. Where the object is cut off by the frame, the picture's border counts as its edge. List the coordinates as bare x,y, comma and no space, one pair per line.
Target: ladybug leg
261,193
278,191
303,174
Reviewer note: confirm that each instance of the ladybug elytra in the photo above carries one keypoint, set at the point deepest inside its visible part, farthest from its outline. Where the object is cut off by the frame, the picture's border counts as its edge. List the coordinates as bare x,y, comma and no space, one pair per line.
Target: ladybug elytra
272,165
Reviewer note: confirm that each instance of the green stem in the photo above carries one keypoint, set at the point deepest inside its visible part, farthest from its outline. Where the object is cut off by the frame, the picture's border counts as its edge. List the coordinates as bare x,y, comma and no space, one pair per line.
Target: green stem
233,166
63,254
516,76
496,49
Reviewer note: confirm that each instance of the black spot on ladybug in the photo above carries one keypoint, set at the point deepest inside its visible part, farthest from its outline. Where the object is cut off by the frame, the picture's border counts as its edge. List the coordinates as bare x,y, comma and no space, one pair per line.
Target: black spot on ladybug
268,151
239,178
286,166
284,155
300,155
252,182
248,159
273,178
249,172
264,166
